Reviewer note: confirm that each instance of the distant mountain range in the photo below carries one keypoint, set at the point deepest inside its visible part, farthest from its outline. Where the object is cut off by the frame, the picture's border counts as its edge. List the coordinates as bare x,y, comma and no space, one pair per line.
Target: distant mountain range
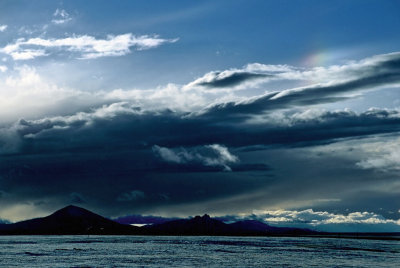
73,220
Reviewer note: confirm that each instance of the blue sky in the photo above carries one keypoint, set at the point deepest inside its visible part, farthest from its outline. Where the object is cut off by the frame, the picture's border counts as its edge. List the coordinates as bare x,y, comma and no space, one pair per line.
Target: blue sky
281,109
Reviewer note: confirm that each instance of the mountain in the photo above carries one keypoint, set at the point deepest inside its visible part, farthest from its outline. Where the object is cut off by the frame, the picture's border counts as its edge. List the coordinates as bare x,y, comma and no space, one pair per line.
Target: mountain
196,226
73,220
205,225
69,220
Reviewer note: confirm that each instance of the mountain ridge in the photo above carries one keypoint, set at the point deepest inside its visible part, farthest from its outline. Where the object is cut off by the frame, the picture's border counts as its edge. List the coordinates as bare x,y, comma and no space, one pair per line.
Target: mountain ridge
73,220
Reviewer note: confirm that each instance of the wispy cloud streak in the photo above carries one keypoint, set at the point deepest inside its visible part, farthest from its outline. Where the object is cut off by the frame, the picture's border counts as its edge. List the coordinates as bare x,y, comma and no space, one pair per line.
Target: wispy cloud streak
87,47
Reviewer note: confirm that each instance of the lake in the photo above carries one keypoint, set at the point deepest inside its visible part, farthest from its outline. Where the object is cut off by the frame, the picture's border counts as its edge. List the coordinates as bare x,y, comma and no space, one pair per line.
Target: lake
204,251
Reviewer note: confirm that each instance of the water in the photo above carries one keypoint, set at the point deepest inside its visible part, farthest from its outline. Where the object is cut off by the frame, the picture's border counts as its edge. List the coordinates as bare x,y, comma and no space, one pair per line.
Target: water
205,251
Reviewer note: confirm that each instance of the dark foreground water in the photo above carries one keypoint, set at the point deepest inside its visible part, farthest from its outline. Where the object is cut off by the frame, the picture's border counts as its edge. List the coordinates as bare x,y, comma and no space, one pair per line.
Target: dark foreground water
155,251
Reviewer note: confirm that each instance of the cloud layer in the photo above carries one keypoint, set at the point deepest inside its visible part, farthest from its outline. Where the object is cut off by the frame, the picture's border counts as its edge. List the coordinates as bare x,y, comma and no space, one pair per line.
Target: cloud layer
323,220
168,148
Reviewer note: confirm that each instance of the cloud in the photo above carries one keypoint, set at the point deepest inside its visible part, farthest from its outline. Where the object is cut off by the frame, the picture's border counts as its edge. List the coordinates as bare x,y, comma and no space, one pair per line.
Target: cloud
131,196
208,155
334,83
28,54
3,27
183,139
251,75
24,93
87,47
227,79
214,94
55,141
254,74
3,68
60,16
381,156
373,72
323,220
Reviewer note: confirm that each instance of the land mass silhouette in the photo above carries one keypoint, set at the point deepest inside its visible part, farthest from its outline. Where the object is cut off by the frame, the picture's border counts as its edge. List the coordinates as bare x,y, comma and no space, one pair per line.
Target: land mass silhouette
73,220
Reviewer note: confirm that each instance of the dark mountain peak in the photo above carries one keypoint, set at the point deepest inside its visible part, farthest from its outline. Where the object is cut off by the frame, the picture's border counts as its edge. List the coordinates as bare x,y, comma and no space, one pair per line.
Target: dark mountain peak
205,217
70,220
73,211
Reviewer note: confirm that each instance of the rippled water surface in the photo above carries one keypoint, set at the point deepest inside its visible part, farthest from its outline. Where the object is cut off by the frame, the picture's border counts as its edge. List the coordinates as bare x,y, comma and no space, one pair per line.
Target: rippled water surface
154,251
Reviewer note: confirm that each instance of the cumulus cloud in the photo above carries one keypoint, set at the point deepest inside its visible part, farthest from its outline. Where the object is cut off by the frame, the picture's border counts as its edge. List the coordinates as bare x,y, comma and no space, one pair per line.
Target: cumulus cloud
323,220
3,27
208,155
60,16
3,68
323,217
87,47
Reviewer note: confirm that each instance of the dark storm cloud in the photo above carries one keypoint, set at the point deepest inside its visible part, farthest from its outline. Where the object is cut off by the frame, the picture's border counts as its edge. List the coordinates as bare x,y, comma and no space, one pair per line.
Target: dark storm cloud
108,156
130,130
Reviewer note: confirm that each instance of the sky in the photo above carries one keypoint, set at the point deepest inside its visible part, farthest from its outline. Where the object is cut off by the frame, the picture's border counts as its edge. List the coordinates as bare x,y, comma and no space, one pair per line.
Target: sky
283,111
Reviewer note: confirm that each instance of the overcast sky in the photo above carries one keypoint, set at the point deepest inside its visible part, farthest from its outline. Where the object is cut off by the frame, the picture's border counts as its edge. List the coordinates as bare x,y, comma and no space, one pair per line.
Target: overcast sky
284,111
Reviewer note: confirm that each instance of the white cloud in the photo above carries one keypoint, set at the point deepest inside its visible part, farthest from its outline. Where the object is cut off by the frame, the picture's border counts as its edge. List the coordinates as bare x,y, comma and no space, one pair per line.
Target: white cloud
27,54
25,93
60,16
208,155
3,27
382,156
169,155
322,217
326,221
3,68
87,47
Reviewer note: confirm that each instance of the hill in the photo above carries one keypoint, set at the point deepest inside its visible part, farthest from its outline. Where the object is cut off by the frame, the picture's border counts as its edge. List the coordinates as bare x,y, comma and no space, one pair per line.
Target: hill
69,220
